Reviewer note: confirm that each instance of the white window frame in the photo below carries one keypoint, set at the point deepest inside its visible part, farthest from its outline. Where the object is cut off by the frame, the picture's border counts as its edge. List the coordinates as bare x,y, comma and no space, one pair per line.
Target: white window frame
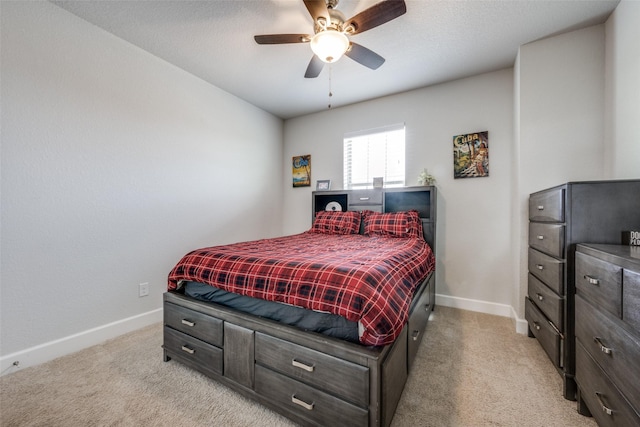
389,142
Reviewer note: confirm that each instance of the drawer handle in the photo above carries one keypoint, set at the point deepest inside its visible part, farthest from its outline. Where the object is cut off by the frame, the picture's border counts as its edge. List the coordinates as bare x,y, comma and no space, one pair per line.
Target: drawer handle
305,405
540,207
540,237
603,348
536,325
188,349
591,280
308,368
606,410
540,267
415,336
187,322
540,297
364,199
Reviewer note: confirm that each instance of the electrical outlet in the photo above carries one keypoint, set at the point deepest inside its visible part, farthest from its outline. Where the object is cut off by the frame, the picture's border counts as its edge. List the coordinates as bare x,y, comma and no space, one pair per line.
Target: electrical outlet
143,289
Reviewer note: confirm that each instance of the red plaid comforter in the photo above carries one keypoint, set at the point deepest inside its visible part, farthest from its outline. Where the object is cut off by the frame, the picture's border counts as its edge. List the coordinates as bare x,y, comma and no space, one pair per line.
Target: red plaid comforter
366,279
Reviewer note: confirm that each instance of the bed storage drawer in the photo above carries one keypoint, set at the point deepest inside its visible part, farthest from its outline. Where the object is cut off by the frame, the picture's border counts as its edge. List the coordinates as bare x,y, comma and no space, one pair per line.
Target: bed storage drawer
547,336
317,407
550,303
605,402
418,322
599,282
548,269
194,323
547,206
547,238
339,377
193,352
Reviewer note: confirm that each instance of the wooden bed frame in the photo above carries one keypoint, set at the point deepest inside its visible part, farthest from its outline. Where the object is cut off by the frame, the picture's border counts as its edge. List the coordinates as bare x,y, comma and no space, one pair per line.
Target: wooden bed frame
308,377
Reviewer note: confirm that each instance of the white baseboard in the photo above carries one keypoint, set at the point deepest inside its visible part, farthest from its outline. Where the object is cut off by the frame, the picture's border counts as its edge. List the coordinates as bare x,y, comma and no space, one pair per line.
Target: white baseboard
486,307
48,351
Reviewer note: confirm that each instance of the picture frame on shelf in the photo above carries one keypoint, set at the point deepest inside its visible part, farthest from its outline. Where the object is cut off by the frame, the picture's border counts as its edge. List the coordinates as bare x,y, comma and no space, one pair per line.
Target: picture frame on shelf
323,185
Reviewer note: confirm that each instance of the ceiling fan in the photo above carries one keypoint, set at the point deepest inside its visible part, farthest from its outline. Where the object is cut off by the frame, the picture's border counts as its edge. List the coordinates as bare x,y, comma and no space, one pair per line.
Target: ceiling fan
332,31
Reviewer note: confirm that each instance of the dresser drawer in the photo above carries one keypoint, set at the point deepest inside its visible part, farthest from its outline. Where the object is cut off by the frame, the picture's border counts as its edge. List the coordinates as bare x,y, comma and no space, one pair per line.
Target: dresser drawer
547,269
340,377
365,197
547,206
547,336
318,408
206,328
547,238
547,301
616,350
600,282
192,352
631,300
605,402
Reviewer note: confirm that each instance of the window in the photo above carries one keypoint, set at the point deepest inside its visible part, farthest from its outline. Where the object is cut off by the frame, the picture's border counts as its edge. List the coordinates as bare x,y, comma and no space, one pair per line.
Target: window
374,153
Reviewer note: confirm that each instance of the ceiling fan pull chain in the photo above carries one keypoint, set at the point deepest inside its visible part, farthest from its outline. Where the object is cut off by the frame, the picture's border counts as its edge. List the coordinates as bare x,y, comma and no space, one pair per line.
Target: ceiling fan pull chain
330,94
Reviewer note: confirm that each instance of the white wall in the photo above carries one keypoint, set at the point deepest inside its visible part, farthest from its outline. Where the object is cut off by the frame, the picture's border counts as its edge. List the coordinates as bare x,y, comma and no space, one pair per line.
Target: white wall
114,165
560,123
473,214
622,120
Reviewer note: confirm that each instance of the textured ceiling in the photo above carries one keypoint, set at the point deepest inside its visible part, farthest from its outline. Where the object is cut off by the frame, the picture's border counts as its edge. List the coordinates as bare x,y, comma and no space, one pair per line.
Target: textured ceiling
434,42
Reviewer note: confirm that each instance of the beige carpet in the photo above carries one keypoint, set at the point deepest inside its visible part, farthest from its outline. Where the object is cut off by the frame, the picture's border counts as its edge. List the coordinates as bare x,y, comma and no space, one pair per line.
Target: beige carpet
471,370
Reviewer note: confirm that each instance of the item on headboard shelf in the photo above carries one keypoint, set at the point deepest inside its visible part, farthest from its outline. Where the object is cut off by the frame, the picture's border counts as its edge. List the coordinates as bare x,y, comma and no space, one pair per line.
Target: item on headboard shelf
378,182
323,184
425,178
631,238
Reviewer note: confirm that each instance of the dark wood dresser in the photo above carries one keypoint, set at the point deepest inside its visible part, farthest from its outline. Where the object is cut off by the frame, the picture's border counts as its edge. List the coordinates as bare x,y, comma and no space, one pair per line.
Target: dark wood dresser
608,333
559,218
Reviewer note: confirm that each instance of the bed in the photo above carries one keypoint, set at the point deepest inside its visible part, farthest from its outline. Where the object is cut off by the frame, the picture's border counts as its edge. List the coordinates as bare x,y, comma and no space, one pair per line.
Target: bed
321,326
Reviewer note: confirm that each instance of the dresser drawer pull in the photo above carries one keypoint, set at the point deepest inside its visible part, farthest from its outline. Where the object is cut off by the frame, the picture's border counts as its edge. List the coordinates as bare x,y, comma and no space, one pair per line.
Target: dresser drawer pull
540,207
591,280
536,325
603,348
540,267
305,405
364,199
605,409
415,335
188,322
308,368
540,237
188,349
540,297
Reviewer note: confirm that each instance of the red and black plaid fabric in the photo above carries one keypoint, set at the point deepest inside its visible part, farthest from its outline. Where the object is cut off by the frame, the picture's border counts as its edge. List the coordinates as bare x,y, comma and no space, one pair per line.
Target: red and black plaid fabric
336,222
366,279
393,224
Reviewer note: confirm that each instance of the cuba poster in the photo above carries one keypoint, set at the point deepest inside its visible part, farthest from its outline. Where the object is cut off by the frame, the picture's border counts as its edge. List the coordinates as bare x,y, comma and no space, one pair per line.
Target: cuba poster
471,155
302,171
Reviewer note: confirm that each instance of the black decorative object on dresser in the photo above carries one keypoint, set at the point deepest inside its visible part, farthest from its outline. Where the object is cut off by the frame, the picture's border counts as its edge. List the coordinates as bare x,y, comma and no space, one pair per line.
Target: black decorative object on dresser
309,377
559,218
608,333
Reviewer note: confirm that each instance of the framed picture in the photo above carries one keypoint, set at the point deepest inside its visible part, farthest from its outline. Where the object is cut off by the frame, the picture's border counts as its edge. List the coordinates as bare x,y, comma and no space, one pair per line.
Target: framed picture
471,155
378,182
323,184
301,169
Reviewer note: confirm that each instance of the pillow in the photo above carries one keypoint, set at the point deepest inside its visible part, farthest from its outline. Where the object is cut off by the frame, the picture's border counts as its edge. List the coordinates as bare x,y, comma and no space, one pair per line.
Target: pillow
393,224
336,222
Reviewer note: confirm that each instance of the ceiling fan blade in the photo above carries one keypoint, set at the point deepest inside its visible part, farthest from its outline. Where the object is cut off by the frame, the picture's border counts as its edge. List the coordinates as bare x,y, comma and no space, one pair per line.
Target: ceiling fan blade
314,68
377,14
317,9
282,38
364,56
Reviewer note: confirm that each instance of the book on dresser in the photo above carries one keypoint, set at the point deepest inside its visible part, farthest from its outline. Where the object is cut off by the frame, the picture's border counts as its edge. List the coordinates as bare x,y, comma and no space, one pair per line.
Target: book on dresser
559,218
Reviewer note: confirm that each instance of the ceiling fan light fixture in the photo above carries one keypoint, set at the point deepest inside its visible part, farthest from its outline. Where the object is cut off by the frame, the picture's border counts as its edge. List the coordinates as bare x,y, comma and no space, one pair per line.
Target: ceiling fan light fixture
329,45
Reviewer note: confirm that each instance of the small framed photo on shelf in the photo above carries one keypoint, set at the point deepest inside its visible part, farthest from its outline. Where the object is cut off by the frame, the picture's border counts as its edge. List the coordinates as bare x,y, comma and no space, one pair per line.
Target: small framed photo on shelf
378,182
323,185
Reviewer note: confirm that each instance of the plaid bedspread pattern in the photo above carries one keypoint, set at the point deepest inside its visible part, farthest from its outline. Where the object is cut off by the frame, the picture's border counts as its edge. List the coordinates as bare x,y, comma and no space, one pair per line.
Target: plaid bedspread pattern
366,279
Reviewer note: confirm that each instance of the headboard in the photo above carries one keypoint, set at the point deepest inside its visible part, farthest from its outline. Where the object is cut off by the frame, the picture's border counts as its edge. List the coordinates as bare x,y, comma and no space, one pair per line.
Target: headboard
423,199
